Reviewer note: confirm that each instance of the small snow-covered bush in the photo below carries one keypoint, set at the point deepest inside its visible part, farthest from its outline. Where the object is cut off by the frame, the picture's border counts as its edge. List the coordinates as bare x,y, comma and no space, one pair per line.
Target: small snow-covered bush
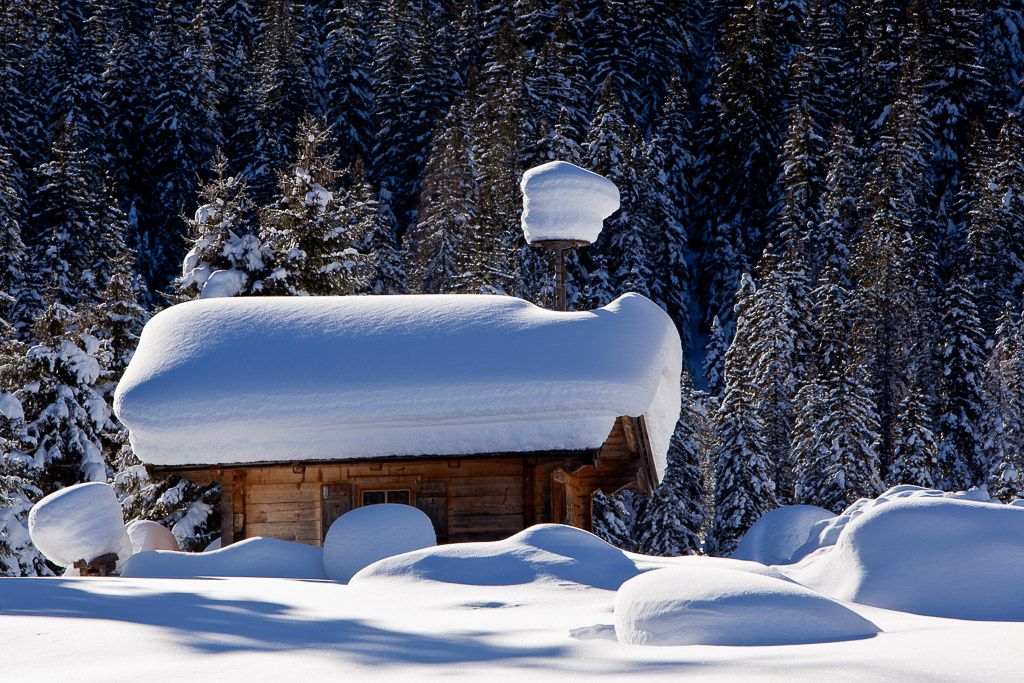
80,522
368,534
715,606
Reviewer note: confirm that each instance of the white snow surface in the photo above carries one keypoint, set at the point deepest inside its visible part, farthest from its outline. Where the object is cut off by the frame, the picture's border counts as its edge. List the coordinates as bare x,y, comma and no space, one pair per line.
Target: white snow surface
147,535
715,606
779,534
253,557
10,407
366,534
265,378
562,201
826,531
945,557
542,553
536,607
80,522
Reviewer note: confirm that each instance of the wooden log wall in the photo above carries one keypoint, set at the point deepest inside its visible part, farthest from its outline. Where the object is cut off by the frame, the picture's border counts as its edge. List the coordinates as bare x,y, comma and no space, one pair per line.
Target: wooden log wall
467,498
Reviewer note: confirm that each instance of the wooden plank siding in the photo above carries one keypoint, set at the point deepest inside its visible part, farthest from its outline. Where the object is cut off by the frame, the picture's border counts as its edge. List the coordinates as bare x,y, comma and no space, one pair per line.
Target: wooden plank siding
470,498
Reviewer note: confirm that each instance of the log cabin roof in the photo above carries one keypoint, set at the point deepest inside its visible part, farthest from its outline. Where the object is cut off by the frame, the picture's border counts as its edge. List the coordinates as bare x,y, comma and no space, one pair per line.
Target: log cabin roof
265,379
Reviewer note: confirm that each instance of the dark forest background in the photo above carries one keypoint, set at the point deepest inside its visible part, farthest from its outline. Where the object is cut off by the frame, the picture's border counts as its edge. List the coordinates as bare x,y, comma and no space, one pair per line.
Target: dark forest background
826,196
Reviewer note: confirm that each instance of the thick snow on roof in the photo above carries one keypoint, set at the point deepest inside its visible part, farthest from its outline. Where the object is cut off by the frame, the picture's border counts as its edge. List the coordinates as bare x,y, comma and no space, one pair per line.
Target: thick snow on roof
260,379
565,202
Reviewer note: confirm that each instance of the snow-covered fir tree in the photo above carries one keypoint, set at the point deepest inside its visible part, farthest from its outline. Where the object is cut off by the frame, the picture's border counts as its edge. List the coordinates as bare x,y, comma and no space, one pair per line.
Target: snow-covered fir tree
306,231
673,520
744,474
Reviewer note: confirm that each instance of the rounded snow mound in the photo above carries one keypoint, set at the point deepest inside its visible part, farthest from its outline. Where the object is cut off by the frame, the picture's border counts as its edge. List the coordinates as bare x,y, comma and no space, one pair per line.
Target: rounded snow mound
542,553
944,557
826,531
258,556
562,201
367,534
713,606
147,535
778,535
81,522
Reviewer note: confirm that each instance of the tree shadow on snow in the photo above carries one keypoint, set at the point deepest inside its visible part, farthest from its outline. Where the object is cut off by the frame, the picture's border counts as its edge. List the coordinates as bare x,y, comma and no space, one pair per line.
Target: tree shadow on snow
212,625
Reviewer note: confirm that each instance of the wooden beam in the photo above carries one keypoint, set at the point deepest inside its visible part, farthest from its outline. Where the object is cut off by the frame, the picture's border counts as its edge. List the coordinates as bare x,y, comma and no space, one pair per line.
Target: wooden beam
529,498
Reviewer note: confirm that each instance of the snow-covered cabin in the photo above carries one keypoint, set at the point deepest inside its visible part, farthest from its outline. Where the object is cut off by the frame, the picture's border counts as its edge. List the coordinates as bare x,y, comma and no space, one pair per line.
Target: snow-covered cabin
486,412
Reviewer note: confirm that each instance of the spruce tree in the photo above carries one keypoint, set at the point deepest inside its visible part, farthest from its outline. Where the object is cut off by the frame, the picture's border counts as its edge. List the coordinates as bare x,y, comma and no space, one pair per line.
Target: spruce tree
305,229
1002,423
673,520
836,431
959,391
744,475
221,247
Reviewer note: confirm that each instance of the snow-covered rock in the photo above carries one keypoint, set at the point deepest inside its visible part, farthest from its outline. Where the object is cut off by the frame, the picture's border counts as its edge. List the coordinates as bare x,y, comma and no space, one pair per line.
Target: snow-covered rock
362,536
777,536
147,535
252,379
544,553
714,606
80,522
260,557
562,201
933,555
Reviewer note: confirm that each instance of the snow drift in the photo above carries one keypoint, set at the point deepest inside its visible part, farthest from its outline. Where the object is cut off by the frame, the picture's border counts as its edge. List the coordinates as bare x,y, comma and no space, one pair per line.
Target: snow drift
362,536
542,553
780,535
80,522
932,555
261,379
562,201
714,606
259,557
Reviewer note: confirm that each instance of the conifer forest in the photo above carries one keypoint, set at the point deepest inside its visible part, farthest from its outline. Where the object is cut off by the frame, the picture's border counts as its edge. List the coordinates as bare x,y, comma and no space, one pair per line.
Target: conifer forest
827,196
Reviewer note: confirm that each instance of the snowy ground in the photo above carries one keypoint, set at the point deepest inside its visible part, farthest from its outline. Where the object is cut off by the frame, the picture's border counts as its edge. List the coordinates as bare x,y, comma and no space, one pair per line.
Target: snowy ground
553,601
266,629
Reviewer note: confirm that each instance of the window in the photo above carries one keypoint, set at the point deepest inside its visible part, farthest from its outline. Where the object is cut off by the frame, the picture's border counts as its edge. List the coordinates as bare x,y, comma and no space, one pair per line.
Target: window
398,496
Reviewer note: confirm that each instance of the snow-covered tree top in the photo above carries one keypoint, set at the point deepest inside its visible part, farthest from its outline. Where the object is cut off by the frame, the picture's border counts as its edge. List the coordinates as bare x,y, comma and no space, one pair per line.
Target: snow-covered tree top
220,381
562,201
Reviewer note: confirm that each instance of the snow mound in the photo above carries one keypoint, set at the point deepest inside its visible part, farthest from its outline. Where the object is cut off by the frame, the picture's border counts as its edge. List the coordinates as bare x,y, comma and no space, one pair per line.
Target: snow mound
562,201
542,553
826,532
367,534
646,563
81,522
259,557
259,379
945,557
147,535
713,606
778,535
